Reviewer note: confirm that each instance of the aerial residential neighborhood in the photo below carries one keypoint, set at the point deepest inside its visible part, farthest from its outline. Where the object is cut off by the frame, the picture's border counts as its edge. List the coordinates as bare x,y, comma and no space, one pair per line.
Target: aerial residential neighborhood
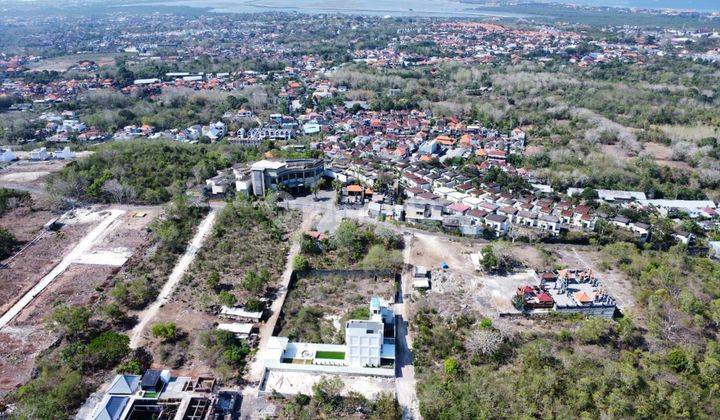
380,210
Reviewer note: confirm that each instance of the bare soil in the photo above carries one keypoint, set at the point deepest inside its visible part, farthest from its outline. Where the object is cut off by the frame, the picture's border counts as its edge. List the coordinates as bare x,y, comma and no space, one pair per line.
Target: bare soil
80,285
32,263
29,175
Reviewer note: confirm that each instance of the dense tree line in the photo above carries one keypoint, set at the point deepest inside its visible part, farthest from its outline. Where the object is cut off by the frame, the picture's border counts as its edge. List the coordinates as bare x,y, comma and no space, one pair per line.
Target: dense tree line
146,172
661,360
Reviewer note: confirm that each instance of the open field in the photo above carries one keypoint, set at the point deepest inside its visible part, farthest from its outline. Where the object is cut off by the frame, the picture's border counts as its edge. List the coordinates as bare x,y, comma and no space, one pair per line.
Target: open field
26,224
29,175
80,284
461,289
316,306
65,62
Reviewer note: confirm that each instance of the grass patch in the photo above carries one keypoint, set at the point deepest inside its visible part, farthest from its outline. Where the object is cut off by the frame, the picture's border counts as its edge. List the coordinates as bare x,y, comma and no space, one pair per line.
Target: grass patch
334,355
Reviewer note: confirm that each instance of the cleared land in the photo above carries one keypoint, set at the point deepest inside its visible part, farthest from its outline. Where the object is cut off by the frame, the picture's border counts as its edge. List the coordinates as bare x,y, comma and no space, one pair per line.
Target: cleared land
316,306
25,269
29,175
292,383
65,62
78,285
461,289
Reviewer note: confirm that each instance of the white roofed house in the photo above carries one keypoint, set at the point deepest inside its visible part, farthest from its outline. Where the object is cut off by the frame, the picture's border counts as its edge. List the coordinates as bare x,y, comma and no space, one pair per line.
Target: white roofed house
40,154
241,330
215,131
419,209
369,349
65,153
7,155
693,208
288,174
220,183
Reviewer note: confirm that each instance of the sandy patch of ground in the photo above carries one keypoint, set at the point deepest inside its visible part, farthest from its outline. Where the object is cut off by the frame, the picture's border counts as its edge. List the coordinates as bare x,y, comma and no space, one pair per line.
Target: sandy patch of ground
29,175
462,290
690,132
18,348
496,291
430,251
293,383
663,155
35,261
23,176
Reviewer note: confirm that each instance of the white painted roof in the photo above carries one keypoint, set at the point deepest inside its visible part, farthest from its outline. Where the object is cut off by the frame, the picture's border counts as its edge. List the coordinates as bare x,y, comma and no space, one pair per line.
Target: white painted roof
237,328
240,312
267,164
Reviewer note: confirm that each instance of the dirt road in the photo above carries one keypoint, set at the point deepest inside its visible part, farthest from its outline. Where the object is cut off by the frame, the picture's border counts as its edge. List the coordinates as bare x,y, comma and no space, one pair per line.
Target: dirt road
404,370
81,248
180,268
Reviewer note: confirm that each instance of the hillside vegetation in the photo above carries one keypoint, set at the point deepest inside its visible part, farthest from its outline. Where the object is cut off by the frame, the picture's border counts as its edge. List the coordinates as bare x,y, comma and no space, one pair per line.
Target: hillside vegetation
141,172
661,361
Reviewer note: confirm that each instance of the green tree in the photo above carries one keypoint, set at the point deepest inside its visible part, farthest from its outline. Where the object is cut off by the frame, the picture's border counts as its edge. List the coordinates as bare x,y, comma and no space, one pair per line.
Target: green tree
386,407
107,349
8,243
489,260
253,305
348,240
213,280
70,321
378,257
300,263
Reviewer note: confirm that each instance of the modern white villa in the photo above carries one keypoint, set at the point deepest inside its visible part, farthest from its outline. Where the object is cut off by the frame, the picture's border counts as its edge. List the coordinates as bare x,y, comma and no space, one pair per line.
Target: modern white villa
369,348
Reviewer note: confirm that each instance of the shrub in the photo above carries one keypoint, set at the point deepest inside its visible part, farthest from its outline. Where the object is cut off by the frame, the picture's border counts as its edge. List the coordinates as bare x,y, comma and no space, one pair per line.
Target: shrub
70,321
253,305
451,366
107,349
300,263
8,243
164,331
213,280
227,299
594,330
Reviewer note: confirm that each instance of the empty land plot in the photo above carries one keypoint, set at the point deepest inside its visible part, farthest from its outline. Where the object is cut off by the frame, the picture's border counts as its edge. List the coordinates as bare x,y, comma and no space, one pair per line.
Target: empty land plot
616,282
79,285
245,252
65,62
243,257
29,175
461,288
317,305
39,257
19,346
430,251
292,383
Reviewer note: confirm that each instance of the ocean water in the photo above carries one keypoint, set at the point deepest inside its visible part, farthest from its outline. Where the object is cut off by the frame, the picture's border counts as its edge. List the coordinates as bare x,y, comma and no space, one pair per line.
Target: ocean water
364,7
